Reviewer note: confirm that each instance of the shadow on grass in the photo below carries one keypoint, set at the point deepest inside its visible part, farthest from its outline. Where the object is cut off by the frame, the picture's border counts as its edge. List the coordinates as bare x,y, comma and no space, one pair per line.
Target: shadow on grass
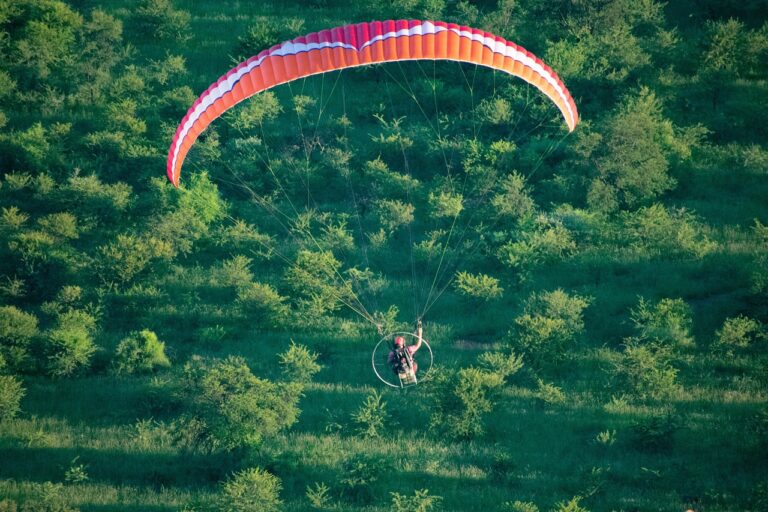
114,467
127,508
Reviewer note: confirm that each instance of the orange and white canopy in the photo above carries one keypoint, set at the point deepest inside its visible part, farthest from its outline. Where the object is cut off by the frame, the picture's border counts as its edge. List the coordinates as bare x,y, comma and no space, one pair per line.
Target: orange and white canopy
360,45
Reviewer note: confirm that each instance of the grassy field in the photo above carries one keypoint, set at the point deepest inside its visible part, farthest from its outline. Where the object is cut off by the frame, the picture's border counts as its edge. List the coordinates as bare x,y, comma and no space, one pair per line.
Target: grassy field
580,428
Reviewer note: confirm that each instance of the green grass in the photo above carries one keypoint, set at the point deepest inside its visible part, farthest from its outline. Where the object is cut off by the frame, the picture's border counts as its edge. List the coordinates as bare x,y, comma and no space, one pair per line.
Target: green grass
118,428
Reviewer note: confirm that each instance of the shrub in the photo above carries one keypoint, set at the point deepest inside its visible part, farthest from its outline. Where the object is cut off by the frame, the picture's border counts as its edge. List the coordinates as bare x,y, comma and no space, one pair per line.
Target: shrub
76,473
520,506
655,433
549,393
360,475
647,370
548,241
500,363
262,304
227,407
372,415
393,213
737,333
572,505
299,364
11,393
514,200
70,343
445,204
478,286
17,329
318,495
421,501
667,322
666,232
234,271
266,33
462,400
250,490
159,18
140,352
551,321
501,468
314,279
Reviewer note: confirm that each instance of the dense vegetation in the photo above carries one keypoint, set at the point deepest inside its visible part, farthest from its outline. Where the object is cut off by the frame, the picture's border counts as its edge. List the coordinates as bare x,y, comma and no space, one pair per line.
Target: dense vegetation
595,301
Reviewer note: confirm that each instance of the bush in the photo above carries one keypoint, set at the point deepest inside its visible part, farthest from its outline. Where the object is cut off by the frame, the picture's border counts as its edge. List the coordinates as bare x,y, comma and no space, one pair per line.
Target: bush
655,433
572,505
462,400
318,495
11,393
299,364
666,232
551,321
262,304
227,407
479,286
501,363
140,352
546,242
17,329
520,506
421,501
266,33
372,415
445,205
70,343
159,18
549,393
667,322
250,490
737,333
360,475
647,371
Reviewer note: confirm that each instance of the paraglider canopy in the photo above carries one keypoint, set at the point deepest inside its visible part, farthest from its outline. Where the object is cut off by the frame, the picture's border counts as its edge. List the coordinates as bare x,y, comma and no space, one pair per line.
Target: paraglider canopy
359,45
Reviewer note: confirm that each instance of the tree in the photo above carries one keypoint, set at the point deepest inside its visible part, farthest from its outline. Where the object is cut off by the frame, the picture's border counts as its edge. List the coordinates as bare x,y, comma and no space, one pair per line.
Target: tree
633,164
666,232
44,40
545,241
100,50
732,51
393,213
140,352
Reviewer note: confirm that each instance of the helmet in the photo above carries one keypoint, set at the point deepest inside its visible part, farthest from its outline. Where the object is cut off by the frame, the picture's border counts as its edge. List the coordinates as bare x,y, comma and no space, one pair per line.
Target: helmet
399,341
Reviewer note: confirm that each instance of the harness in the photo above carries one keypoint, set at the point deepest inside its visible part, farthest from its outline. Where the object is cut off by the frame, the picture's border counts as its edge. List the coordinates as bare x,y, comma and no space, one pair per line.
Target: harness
403,366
